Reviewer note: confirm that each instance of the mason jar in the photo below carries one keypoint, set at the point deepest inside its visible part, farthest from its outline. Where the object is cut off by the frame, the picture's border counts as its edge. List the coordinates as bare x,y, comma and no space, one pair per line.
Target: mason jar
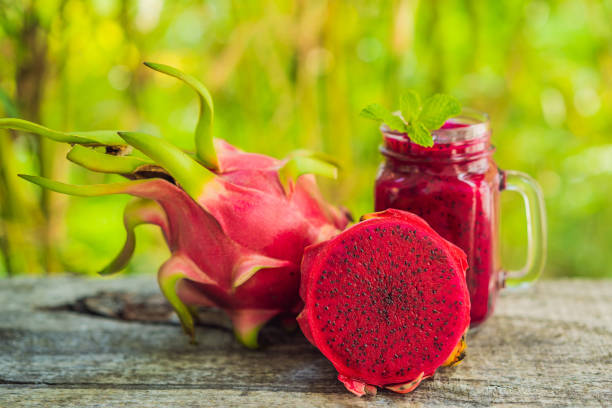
455,187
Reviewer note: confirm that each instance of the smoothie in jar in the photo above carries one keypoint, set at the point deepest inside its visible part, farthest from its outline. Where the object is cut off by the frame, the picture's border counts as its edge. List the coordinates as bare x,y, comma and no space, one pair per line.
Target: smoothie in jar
455,187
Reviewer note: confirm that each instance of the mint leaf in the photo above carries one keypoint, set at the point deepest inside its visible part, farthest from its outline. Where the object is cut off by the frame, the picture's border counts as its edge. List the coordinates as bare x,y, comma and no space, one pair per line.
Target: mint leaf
420,135
420,119
437,109
380,113
410,105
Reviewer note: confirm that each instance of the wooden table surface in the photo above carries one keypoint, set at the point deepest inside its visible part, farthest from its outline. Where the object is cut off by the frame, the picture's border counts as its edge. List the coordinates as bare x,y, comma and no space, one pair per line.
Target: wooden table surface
74,342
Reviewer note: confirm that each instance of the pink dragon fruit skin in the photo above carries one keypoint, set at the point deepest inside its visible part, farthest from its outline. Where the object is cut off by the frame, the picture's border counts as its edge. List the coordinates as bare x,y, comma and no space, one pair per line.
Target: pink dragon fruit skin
236,223
249,193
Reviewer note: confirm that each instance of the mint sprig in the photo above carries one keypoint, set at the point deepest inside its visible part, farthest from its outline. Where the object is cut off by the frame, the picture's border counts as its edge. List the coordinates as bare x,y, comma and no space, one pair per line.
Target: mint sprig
418,119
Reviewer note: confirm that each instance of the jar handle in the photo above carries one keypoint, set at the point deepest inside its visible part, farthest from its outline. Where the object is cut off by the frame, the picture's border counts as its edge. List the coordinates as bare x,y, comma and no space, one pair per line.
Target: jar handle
535,212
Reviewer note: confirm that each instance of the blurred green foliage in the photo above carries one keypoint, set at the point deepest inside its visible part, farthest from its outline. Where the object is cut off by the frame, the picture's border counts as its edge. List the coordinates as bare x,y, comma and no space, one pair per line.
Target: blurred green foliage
288,74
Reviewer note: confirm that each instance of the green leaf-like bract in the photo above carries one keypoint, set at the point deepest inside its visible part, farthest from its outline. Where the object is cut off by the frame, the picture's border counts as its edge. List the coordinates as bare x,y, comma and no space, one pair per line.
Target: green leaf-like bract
172,271
306,162
204,129
105,163
88,138
91,190
190,174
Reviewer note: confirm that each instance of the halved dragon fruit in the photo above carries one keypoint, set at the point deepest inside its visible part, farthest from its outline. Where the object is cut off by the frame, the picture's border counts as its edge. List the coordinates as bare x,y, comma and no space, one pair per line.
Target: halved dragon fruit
386,302
236,223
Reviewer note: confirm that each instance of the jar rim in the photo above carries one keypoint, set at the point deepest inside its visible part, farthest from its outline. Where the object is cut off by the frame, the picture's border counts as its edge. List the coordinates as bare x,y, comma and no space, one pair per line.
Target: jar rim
475,125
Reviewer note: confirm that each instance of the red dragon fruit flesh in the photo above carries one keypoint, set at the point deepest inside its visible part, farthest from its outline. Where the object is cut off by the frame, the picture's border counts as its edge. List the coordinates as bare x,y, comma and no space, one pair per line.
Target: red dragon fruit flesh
386,302
236,223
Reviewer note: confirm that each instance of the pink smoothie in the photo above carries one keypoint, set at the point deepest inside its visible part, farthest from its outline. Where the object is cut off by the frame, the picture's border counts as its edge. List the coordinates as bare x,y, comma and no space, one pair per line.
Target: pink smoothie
454,186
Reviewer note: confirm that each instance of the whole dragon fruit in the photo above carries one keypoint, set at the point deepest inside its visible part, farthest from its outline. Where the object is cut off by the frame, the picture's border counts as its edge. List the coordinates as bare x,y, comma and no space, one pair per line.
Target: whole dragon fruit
236,223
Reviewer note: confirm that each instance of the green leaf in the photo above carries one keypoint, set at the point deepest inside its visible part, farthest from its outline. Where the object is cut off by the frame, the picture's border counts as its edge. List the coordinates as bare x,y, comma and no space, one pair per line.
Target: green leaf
420,119
189,174
380,113
420,135
410,105
437,109
88,138
204,129
105,163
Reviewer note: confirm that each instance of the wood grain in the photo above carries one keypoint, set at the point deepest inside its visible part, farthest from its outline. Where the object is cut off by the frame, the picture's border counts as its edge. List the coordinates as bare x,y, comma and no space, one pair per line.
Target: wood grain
547,346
